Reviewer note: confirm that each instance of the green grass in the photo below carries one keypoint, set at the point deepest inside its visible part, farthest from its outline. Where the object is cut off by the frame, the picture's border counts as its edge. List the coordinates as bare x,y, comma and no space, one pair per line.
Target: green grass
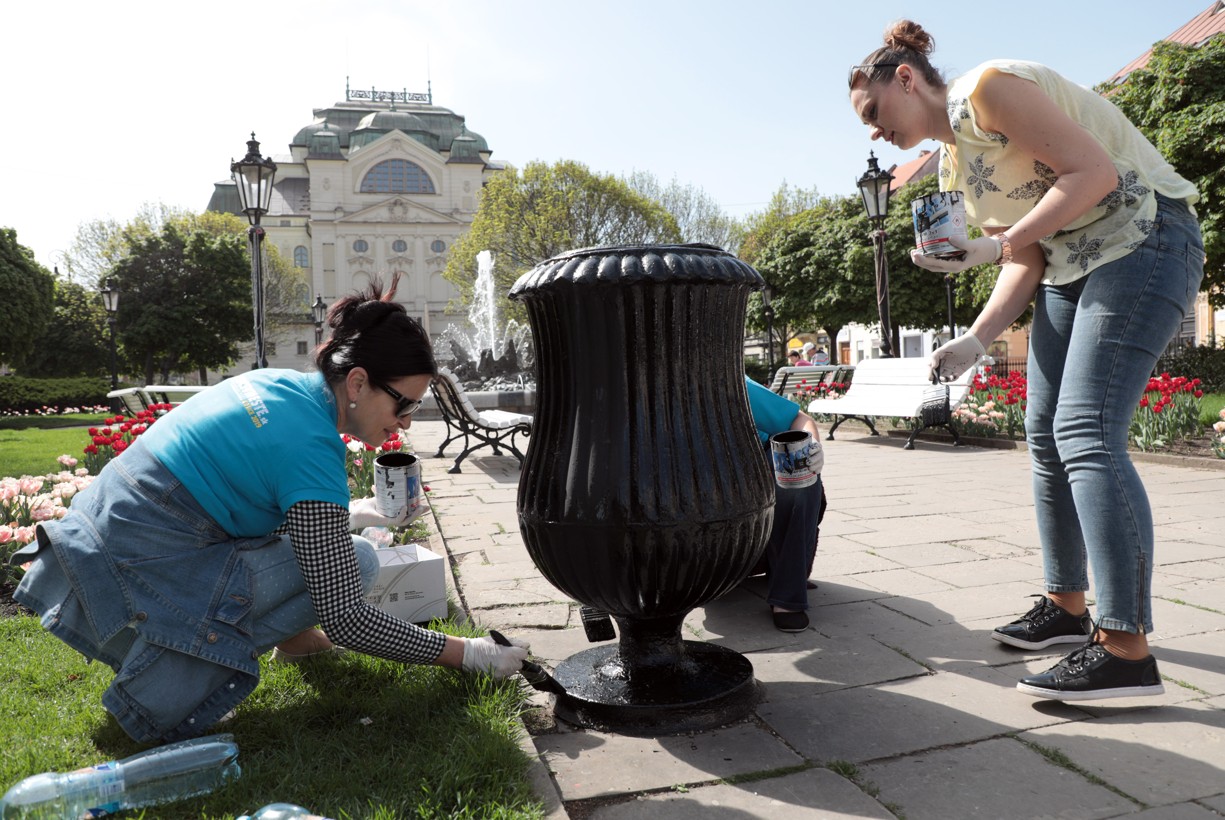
34,452
51,422
1210,406
348,737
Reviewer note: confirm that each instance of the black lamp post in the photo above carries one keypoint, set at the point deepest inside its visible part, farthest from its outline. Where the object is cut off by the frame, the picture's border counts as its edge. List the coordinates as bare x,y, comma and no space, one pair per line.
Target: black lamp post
319,310
874,188
253,175
948,292
767,310
110,301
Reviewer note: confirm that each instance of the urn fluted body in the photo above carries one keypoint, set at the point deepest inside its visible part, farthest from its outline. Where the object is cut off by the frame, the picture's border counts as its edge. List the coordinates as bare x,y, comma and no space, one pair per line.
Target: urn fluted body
643,492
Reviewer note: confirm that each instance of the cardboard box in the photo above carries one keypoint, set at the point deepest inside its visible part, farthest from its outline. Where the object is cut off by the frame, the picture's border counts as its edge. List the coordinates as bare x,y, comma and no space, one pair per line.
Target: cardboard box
411,585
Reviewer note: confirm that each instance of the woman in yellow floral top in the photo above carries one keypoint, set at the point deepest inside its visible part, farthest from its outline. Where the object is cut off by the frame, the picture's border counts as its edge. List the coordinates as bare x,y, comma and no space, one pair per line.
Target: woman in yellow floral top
1092,225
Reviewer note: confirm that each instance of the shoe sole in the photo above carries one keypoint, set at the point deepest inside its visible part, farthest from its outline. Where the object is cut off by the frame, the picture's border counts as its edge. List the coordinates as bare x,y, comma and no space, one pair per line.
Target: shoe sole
1095,694
1022,644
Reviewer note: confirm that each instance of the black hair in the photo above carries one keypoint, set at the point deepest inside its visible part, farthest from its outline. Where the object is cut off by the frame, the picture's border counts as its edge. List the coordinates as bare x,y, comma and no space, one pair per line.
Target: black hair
905,42
371,331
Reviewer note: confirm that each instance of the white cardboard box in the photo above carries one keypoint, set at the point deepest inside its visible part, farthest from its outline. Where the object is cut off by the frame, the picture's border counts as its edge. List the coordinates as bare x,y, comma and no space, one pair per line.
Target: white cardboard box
411,585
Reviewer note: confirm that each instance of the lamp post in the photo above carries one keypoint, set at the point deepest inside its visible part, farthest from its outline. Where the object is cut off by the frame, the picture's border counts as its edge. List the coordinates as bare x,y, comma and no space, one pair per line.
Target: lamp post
110,301
948,292
319,310
874,188
253,175
767,310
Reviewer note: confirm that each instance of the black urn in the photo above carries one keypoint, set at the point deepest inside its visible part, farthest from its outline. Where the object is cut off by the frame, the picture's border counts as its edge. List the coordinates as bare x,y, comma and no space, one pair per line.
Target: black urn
644,493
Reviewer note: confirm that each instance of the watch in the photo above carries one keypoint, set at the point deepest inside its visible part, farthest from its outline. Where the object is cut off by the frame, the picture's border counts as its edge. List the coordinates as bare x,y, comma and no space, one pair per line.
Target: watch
1005,249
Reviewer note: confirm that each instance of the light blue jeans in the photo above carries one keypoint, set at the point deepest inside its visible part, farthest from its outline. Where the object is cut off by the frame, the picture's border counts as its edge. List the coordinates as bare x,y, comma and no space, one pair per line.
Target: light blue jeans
1093,346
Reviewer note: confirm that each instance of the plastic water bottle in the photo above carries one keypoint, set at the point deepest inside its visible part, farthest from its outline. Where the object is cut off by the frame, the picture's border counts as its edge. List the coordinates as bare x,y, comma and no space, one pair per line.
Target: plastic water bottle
379,536
160,775
282,811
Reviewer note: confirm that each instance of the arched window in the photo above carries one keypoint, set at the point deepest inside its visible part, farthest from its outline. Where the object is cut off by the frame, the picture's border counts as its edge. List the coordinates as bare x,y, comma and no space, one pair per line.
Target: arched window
438,246
399,246
301,258
361,245
397,176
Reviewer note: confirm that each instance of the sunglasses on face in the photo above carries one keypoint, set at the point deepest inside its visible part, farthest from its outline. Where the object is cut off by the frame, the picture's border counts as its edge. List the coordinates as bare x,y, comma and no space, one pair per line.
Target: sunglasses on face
870,69
404,406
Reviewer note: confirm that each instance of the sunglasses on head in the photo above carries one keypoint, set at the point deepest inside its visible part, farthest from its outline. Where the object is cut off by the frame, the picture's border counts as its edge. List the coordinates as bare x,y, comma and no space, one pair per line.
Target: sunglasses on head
404,405
869,69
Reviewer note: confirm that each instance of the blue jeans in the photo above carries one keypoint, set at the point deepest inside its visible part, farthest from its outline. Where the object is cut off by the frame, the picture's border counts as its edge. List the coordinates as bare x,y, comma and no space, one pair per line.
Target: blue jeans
1093,346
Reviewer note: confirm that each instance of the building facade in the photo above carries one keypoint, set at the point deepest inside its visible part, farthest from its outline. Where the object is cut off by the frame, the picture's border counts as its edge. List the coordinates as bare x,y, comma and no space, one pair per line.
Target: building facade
380,184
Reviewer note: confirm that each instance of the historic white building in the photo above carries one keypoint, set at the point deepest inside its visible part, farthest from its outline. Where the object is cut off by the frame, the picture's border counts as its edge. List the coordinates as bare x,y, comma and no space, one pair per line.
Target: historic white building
379,184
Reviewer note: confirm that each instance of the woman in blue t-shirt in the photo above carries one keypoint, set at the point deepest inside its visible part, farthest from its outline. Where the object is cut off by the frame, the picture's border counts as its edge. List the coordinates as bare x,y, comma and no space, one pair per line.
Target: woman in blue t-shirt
225,531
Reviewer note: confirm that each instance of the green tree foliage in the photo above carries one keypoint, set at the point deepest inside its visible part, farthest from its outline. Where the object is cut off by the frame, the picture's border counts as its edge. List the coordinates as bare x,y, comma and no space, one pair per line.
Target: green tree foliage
1178,102
698,216
186,300
75,341
27,291
527,217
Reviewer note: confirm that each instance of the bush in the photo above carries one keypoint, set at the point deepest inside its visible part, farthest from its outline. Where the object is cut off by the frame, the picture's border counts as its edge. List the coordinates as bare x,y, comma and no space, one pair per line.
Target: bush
758,371
1204,363
24,394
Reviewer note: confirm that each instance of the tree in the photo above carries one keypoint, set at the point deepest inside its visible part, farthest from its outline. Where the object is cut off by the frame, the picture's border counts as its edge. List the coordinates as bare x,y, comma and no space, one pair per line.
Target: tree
188,300
698,216
75,341
27,290
527,217
1178,102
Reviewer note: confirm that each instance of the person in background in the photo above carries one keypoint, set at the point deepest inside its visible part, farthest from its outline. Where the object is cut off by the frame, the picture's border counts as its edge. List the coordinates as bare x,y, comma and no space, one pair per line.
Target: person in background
225,531
797,512
807,352
794,359
1091,224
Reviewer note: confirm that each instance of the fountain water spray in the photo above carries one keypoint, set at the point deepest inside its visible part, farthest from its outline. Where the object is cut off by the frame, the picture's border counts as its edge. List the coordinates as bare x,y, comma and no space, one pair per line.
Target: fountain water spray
496,354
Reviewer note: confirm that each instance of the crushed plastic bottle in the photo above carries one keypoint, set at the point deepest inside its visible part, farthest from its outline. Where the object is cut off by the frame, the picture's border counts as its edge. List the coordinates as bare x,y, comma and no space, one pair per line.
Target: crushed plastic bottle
162,775
282,811
379,536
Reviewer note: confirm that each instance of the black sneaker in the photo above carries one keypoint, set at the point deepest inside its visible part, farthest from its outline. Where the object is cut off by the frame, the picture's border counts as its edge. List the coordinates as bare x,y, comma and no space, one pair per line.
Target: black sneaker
790,621
1045,625
1091,673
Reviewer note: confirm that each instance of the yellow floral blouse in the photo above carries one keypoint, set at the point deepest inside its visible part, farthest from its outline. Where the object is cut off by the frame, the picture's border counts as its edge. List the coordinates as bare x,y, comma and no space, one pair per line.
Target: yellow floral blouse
1002,184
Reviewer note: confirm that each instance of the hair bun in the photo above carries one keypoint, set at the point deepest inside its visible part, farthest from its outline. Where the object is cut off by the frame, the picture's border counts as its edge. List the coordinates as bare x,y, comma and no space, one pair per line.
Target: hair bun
907,34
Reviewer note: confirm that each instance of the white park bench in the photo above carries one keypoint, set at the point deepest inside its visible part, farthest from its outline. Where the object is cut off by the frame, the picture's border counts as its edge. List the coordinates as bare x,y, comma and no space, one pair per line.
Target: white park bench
490,428
792,379
897,388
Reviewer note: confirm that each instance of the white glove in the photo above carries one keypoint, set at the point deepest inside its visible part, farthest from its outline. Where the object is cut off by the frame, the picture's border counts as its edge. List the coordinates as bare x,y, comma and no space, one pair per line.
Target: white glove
978,252
363,513
484,655
953,358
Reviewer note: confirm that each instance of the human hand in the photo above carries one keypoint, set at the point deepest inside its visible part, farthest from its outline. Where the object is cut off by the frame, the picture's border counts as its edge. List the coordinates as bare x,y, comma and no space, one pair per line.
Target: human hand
980,251
363,513
484,655
953,358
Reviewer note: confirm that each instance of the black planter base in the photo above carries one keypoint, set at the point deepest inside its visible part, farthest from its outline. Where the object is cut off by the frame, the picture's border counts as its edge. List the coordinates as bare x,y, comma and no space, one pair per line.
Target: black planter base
710,687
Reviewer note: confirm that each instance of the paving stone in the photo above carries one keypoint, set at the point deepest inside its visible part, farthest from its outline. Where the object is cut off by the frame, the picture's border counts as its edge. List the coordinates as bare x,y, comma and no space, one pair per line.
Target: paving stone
591,764
970,785
926,554
508,618
1157,756
904,717
1197,660
898,581
1177,811
982,572
1199,570
1172,619
817,663
848,563
816,793
1007,601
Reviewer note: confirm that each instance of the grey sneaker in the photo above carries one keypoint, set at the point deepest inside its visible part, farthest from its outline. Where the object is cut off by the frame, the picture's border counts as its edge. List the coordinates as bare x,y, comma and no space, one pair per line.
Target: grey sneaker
1092,673
1045,625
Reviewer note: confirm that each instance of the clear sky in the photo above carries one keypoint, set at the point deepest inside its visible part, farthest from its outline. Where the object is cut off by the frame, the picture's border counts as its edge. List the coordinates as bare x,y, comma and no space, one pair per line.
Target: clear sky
111,105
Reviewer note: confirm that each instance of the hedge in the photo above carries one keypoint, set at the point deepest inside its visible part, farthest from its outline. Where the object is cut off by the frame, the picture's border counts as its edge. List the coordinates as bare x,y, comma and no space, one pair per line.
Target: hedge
1204,363
23,394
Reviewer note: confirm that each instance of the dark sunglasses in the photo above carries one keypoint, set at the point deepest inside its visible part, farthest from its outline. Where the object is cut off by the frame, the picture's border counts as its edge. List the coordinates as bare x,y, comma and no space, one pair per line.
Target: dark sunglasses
868,69
404,405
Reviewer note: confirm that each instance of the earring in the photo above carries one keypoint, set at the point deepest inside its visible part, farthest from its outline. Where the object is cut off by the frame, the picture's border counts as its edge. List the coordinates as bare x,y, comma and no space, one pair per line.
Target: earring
352,405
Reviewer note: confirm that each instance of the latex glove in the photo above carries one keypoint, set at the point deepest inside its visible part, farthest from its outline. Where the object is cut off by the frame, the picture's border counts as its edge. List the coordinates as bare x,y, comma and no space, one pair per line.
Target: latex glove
484,655
363,513
982,251
953,358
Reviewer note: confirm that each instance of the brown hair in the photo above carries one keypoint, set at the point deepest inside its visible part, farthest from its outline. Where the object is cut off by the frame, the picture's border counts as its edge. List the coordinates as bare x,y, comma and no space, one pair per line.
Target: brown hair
372,331
905,42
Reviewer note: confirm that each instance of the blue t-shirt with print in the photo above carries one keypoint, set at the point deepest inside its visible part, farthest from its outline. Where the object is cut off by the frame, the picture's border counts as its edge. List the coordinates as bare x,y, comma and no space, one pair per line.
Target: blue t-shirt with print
772,413
254,445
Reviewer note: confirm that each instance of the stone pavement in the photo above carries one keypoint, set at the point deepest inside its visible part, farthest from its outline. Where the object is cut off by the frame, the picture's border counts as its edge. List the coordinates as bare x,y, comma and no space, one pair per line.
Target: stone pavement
895,702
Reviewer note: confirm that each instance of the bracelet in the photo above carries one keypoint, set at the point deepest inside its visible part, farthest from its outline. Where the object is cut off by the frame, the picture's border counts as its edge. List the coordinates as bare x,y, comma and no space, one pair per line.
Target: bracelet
1005,249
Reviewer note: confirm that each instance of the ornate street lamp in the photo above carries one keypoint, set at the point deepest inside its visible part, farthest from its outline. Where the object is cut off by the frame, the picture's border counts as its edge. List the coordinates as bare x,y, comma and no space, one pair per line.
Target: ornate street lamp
874,188
110,301
319,311
253,175
767,310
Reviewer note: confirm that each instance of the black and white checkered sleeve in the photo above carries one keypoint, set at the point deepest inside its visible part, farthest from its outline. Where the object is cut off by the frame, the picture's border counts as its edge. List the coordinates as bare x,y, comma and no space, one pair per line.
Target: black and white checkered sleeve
323,546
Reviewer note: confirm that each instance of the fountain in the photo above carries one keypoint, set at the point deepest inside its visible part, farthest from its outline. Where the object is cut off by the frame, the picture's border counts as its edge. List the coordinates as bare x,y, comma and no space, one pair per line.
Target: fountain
496,355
